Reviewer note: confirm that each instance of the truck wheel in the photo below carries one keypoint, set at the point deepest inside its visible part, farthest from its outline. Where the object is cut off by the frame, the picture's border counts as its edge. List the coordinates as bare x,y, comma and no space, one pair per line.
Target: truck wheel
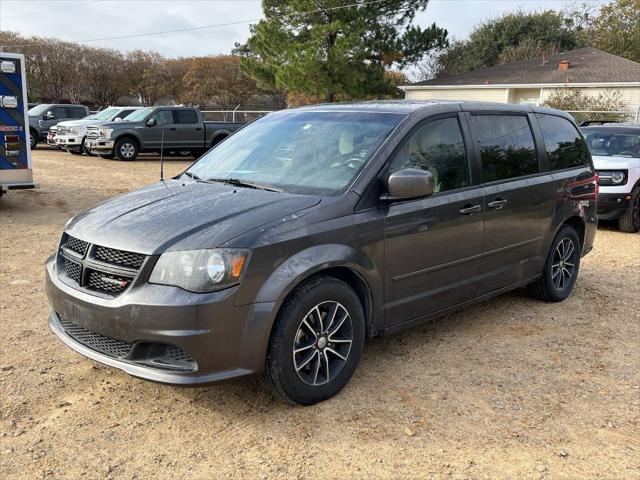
316,342
85,151
75,151
630,221
33,139
126,149
560,269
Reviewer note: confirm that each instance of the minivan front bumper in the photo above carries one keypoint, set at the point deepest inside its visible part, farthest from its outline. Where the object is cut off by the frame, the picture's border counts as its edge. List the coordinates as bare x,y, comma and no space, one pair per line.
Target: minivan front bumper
223,339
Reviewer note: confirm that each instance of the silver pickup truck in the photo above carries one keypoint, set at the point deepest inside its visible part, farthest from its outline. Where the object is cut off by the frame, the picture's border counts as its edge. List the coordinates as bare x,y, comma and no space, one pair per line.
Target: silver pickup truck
151,129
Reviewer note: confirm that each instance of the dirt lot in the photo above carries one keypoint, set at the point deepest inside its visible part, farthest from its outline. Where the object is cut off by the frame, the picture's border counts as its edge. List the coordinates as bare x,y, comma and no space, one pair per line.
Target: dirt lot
513,388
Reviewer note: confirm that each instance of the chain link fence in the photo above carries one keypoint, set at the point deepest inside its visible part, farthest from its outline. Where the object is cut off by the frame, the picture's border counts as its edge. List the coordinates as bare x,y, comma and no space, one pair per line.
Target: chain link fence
595,117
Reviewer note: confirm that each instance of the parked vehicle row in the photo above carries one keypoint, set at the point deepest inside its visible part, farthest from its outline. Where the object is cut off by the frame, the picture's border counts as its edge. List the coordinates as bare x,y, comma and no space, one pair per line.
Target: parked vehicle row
44,116
283,248
125,132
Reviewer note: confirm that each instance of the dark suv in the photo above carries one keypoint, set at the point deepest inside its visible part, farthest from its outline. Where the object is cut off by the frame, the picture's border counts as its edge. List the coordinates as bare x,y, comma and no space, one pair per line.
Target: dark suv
309,230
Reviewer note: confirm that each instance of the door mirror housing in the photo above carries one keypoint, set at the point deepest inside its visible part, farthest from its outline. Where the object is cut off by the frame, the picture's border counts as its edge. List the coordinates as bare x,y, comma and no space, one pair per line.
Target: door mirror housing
49,115
409,183
151,122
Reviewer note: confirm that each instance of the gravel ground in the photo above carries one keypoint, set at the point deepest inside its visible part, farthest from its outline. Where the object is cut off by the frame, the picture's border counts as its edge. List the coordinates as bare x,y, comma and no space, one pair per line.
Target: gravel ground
512,388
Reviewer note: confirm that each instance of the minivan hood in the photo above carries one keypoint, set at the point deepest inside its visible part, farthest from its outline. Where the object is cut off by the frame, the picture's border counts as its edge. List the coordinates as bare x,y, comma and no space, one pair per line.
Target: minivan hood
182,215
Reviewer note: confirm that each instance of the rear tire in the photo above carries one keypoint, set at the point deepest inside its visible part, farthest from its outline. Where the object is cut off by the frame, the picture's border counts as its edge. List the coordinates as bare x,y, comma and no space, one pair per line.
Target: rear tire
127,149
629,222
560,268
316,342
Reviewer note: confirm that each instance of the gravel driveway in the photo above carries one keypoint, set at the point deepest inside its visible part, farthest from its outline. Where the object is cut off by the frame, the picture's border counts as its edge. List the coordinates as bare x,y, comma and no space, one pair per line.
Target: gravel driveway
512,388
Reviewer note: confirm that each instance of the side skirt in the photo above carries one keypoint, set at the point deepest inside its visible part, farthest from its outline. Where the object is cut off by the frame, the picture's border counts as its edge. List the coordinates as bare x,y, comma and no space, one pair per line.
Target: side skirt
459,306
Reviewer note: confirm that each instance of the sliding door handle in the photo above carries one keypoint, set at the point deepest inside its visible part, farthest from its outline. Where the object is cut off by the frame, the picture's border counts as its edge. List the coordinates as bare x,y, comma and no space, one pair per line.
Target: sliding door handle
470,209
498,203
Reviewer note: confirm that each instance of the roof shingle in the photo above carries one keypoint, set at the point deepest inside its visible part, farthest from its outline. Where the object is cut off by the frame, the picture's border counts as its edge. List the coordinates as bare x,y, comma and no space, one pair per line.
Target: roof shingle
588,65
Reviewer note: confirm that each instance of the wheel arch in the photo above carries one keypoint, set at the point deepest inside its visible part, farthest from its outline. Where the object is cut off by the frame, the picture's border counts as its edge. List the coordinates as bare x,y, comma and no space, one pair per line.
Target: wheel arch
578,224
338,261
219,136
129,136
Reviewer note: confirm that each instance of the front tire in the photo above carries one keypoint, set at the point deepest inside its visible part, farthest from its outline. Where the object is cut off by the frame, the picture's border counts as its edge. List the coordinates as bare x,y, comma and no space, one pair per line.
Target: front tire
127,149
629,222
560,269
316,342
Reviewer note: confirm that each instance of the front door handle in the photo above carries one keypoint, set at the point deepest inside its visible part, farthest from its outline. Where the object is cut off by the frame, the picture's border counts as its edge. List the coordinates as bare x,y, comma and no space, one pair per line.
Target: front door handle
498,203
470,209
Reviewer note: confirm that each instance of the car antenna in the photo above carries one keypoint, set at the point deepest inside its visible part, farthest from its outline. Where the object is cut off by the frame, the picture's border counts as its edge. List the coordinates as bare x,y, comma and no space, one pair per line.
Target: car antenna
162,157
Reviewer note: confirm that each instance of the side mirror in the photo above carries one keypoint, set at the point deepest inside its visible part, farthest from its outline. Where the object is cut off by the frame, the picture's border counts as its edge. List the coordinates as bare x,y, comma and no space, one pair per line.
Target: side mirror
49,115
151,122
119,119
409,183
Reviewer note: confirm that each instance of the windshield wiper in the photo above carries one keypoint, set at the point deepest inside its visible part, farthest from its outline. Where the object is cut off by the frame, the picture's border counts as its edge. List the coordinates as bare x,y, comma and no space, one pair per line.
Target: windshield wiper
244,183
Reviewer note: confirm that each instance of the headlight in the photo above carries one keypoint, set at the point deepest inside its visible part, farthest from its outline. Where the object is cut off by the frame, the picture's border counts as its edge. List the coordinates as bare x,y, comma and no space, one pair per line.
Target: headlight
74,130
612,177
617,177
105,132
200,270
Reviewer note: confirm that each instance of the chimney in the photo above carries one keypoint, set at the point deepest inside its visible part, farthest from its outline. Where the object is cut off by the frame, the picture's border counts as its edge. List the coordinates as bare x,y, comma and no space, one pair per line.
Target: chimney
564,65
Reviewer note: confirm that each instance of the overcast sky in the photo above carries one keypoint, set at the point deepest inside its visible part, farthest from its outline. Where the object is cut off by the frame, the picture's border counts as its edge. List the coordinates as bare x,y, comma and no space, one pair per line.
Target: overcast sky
77,20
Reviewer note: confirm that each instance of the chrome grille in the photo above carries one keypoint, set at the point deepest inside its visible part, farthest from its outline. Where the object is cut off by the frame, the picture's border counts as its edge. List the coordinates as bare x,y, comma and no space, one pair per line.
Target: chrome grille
120,257
98,269
92,132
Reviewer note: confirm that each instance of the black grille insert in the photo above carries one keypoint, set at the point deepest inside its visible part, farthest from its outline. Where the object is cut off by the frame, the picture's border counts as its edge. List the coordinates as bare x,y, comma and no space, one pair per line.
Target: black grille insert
73,270
107,283
102,269
78,246
119,257
100,343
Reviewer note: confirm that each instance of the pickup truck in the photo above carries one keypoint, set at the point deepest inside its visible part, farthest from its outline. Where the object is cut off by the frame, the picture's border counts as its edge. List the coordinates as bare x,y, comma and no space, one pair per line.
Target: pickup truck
150,129
46,115
70,135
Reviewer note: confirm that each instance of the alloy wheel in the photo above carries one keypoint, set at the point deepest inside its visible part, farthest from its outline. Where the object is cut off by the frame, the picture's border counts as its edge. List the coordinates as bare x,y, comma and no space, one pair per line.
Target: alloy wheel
563,265
127,150
322,343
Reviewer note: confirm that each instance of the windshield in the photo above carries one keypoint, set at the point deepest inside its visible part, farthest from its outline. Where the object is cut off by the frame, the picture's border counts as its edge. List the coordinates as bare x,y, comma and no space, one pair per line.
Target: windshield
298,151
138,115
106,114
38,110
609,143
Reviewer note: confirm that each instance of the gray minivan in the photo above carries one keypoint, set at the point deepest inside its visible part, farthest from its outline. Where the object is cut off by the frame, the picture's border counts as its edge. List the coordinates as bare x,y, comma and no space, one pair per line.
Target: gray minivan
285,246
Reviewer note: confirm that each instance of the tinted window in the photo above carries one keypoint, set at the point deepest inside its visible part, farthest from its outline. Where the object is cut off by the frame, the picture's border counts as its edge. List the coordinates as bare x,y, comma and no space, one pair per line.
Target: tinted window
562,141
506,146
186,116
59,112
437,147
163,117
75,112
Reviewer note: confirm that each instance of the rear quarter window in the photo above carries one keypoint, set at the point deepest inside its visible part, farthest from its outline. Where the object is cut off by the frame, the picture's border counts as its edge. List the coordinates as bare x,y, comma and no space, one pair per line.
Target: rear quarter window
565,148
507,149
186,116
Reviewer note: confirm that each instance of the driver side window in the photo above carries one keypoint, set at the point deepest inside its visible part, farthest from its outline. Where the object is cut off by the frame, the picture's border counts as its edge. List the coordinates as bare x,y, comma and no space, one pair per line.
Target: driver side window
163,117
437,147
